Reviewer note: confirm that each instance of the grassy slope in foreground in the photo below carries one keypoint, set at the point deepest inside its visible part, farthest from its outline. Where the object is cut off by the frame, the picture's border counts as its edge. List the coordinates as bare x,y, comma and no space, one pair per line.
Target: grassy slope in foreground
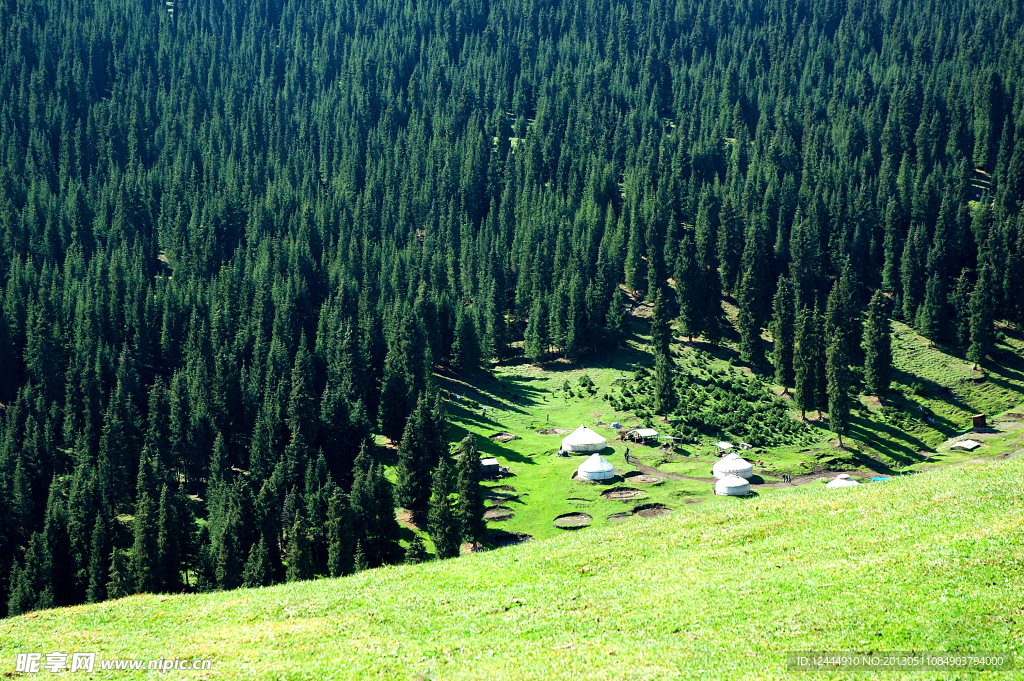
926,562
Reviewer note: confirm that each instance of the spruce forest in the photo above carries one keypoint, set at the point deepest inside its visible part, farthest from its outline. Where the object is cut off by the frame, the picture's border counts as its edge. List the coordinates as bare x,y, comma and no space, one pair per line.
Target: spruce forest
238,241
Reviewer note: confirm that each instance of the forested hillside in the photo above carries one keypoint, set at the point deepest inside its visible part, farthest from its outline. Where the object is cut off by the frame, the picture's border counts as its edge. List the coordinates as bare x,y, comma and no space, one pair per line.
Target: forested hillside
238,238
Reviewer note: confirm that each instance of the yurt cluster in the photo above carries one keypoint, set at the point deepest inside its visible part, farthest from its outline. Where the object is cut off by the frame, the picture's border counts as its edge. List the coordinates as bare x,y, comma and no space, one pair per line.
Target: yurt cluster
733,473
583,440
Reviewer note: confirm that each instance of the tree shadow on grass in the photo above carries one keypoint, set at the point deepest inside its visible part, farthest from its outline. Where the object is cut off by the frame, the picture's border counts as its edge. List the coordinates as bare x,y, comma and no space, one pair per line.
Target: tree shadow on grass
519,394
930,389
1006,374
488,447
901,447
405,534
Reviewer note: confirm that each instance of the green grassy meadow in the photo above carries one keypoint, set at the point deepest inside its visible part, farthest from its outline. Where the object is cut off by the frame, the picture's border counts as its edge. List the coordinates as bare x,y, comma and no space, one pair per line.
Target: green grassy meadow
933,397
924,562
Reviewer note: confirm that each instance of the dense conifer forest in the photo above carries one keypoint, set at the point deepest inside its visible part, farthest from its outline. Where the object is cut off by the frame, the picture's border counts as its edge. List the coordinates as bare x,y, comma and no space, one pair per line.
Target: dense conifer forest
238,238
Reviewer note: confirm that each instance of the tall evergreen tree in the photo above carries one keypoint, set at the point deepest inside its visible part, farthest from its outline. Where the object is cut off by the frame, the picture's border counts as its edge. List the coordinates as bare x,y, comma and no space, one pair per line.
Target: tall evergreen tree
258,569
416,553
465,351
838,375
300,562
982,341
170,540
805,363
443,524
878,346
339,532
783,329
664,384
99,556
470,511
415,459
661,332
617,322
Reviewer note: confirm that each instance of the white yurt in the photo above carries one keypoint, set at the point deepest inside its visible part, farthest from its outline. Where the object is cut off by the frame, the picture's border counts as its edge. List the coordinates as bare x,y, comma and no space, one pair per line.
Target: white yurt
732,486
595,468
583,439
732,464
842,480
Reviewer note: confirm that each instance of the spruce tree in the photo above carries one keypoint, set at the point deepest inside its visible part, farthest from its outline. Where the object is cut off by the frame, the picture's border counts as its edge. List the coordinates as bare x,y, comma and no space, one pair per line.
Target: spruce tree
664,384
372,504
442,522
339,535
169,542
805,366
687,280
465,351
99,565
783,329
617,321
753,290
120,583
878,346
535,338
982,314
22,598
708,289
838,375
820,361
470,510
415,460
841,315
661,332
416,553
359,562
394,396
61,572
145,554
300,562
751,350
960,302
931,315
258,569
302,415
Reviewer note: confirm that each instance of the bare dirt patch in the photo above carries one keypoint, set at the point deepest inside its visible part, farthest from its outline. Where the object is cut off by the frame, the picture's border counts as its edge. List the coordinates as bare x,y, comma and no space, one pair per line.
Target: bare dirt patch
572,521
651,510
505,488
498,513
552,431
405,518
622,493
504,437
471,547
645,479
619,517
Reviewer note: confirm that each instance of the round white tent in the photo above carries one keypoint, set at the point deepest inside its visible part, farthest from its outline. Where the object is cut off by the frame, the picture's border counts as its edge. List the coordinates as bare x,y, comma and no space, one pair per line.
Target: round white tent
583,439
732,486
733,464
842,480
596,467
